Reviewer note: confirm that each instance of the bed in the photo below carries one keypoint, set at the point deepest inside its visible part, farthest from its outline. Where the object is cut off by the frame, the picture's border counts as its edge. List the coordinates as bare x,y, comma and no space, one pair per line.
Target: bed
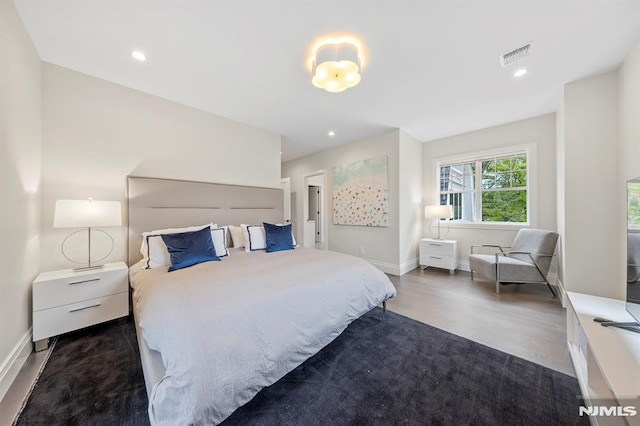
212,335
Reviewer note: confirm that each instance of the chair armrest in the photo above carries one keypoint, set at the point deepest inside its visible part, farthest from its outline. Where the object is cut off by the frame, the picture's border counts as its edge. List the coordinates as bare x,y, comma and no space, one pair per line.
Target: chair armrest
501,248
529,253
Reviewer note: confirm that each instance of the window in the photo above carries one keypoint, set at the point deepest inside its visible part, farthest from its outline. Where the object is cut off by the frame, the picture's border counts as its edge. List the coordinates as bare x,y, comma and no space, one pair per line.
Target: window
489,188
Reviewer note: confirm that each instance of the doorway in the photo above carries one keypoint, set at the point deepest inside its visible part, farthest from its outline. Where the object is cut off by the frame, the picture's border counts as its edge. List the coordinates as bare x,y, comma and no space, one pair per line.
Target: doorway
315,216
285,184
314,210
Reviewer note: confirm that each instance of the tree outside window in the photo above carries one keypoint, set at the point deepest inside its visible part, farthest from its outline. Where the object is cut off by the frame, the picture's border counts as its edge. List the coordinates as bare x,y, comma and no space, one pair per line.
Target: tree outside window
488,189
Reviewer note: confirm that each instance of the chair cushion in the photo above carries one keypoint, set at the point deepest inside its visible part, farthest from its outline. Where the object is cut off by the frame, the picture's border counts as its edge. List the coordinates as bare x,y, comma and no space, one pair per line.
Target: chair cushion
511,270
484,265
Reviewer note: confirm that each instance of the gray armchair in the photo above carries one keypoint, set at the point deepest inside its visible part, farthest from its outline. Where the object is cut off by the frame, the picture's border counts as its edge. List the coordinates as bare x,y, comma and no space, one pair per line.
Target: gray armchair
527,260
633,257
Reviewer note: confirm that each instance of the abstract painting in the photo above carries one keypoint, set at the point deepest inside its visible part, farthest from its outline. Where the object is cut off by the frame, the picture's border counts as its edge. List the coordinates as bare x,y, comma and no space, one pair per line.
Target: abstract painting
360,193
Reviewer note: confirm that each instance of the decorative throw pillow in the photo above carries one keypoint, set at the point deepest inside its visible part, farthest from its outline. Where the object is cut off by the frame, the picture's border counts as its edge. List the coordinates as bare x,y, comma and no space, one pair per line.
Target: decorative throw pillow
157,254
219,237
278,237
190,248
237,236
254,237
160,249
293,237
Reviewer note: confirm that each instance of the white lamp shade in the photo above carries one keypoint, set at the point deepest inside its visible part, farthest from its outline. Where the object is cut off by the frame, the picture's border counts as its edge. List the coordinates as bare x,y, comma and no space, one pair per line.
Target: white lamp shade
87,213
438,211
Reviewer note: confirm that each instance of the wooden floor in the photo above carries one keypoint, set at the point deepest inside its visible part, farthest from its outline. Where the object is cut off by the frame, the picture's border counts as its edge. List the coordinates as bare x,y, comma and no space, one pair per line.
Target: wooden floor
523,320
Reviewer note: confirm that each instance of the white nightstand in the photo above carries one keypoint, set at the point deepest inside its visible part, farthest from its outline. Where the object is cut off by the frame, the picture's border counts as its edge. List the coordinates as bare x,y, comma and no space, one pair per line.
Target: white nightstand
438,254
65,300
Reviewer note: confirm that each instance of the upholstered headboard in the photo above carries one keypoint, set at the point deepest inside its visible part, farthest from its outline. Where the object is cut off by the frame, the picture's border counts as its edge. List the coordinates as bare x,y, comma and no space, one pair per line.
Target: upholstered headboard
165,203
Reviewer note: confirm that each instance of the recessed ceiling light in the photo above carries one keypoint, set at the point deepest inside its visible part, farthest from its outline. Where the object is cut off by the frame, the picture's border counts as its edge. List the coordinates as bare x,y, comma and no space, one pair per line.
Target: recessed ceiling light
332,133
520,72
139,55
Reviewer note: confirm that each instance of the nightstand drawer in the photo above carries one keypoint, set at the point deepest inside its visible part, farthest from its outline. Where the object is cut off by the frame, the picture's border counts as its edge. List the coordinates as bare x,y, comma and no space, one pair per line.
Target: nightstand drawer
437,261
54,321
437,248
74,288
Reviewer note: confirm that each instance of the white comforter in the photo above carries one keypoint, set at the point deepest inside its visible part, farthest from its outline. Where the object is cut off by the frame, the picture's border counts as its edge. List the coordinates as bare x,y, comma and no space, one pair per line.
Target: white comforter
227,329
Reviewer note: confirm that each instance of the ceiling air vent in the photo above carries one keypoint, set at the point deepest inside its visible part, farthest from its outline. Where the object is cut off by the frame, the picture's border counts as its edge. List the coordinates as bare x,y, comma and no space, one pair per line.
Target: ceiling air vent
515,55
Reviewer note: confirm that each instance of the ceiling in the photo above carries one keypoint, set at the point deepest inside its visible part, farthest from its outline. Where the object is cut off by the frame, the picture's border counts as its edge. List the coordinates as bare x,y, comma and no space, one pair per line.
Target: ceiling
431,67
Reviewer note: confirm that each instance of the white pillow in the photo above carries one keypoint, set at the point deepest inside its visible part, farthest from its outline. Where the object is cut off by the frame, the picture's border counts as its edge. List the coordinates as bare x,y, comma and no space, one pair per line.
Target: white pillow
237,236
158,255
219,237
255,237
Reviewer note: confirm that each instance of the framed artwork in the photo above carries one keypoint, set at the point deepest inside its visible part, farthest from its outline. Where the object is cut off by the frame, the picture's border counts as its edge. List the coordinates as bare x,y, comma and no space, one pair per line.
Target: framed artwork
360,193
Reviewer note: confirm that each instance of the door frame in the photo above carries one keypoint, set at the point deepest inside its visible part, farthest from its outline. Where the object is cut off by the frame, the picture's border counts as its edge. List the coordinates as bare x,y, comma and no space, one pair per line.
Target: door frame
322,183
287,199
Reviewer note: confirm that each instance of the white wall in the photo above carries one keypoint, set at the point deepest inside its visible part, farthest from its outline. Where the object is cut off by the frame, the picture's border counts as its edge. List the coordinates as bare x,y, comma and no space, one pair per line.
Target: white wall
629,106
590,241
95,133
411,211
539,131
560,190
20,153
380,243
629,140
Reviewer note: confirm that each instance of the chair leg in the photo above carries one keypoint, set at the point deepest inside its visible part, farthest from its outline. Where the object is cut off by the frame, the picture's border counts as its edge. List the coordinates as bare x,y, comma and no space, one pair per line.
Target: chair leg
471,274
498,287
550,288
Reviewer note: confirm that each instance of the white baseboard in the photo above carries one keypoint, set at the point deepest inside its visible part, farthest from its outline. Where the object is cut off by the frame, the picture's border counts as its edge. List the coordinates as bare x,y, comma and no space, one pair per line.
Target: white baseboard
12,365
560,291
563,292
387,268
394,269
463,265
408,266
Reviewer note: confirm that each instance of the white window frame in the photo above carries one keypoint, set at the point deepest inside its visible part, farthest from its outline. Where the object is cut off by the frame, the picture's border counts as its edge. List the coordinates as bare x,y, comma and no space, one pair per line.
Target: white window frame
531,151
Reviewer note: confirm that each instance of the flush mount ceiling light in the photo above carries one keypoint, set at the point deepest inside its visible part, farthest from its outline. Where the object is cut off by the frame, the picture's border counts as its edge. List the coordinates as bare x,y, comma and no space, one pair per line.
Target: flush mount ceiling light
336,66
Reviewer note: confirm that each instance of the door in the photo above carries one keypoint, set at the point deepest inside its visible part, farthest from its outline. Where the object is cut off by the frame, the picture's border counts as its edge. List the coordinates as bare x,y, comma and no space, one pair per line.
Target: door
314,210
285,183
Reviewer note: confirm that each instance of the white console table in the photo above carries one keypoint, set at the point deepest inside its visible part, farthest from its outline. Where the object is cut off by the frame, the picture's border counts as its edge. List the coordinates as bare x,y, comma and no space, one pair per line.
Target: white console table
606,359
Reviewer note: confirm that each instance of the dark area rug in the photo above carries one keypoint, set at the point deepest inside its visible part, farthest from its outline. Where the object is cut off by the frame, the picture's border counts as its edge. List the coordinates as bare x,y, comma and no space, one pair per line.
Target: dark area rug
384,369
93,377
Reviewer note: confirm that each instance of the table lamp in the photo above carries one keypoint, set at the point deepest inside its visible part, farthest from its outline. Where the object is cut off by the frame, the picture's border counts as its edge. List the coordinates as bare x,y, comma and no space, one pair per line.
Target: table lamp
438,212
87,214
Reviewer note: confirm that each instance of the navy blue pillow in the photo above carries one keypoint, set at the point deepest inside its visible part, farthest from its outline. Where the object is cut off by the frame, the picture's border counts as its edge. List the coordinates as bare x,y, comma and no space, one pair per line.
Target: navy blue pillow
190,248
278,237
